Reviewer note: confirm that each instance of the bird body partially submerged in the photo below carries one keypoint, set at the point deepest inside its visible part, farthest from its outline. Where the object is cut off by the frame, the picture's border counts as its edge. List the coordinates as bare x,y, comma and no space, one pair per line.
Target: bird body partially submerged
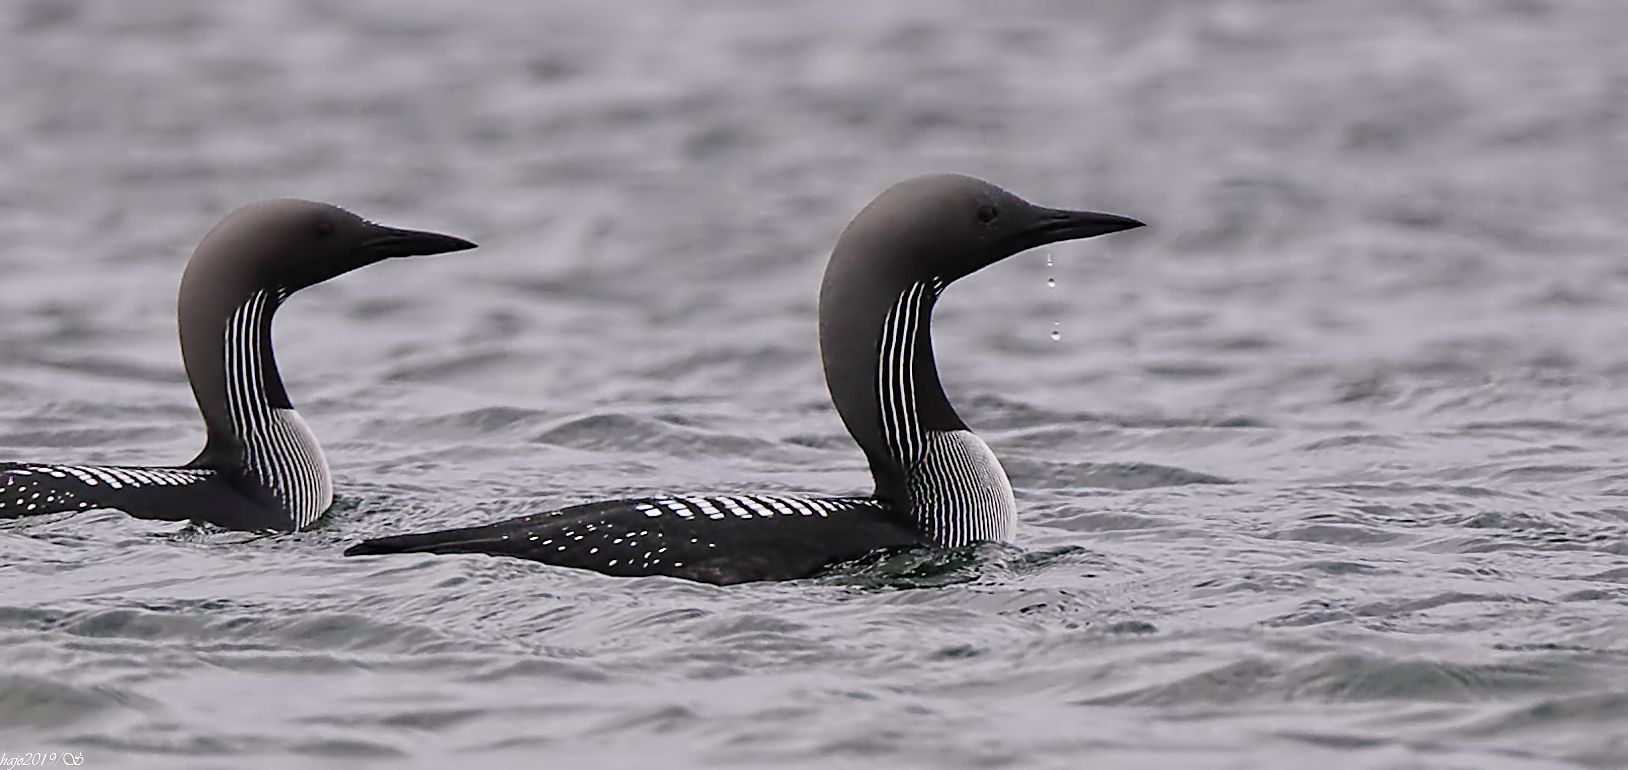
936,482
261,467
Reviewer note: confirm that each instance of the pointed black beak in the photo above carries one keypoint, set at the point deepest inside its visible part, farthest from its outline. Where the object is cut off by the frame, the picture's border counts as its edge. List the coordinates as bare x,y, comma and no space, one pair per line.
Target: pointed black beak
1053,225
391,242
1061,225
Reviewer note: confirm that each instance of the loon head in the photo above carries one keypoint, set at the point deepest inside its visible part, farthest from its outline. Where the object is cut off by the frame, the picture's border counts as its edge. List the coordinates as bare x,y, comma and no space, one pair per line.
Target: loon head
239,274
283,246
267,251
880,287
947,226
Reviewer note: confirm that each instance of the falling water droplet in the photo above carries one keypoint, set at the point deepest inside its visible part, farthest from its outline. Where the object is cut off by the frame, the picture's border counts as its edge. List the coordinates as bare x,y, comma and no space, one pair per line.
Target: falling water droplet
1051,283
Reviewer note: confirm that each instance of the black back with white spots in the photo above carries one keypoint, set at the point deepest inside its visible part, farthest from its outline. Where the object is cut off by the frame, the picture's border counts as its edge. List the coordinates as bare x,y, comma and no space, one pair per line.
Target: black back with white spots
721,539
171,494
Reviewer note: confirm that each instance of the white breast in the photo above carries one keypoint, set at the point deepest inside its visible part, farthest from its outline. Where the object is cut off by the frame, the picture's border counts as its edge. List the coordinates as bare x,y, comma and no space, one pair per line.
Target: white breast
959,492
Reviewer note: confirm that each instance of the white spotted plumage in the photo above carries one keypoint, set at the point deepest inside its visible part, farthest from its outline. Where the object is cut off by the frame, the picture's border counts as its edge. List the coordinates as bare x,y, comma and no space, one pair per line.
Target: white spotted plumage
32,489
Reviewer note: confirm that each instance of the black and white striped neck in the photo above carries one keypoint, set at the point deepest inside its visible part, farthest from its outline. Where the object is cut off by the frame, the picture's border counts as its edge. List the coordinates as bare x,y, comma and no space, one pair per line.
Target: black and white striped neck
270,443
955,489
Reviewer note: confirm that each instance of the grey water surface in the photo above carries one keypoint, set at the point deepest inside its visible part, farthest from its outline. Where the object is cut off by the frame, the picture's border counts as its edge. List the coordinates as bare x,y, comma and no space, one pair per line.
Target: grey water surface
1327,468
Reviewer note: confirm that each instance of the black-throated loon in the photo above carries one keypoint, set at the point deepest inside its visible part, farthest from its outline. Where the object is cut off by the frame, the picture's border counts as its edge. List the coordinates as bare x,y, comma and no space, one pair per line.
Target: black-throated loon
936,482
261,468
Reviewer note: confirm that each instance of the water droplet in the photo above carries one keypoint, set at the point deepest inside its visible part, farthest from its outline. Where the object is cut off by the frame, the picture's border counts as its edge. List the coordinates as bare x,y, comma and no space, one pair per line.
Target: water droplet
1051,283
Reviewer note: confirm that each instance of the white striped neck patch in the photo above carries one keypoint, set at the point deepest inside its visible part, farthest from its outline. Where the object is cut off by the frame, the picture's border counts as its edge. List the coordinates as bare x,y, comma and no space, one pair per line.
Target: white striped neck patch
279,449
957,492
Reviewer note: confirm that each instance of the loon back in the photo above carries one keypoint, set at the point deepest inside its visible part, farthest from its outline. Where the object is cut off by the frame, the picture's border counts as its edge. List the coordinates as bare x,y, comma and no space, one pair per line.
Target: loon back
936,482
721,540
261,467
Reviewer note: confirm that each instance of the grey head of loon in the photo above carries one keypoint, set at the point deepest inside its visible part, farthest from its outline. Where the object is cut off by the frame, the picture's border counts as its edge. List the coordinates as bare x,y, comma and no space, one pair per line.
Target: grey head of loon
885,274
237,277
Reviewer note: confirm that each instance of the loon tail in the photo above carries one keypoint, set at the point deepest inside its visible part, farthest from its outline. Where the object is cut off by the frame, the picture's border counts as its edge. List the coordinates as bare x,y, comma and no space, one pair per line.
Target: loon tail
448,541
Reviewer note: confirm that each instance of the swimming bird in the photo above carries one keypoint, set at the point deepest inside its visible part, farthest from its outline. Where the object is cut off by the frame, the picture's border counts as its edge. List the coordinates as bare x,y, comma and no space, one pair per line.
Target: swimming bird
936,482
261,467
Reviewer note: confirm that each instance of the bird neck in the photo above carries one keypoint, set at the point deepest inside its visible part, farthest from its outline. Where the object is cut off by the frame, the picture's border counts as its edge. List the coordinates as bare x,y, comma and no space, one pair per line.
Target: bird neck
910,399
253,429
884,382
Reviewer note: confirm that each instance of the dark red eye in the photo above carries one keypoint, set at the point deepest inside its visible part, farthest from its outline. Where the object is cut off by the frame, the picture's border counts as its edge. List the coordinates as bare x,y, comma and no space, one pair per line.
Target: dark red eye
987,214
324,228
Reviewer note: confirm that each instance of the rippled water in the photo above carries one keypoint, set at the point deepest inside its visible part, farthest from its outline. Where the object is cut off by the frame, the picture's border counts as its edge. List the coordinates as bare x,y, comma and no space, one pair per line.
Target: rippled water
1326,467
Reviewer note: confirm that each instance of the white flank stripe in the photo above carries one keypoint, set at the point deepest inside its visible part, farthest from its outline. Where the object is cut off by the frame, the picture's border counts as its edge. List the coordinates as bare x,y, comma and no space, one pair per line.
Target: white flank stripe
756,507
730,505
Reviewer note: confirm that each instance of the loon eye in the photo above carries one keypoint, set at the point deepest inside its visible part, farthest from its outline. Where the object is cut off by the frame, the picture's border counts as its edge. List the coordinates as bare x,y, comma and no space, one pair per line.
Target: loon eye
324,228
988,214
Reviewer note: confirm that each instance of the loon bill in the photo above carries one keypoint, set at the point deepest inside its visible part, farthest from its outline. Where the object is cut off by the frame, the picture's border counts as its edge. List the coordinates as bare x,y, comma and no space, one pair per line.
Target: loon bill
261,468
937,483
